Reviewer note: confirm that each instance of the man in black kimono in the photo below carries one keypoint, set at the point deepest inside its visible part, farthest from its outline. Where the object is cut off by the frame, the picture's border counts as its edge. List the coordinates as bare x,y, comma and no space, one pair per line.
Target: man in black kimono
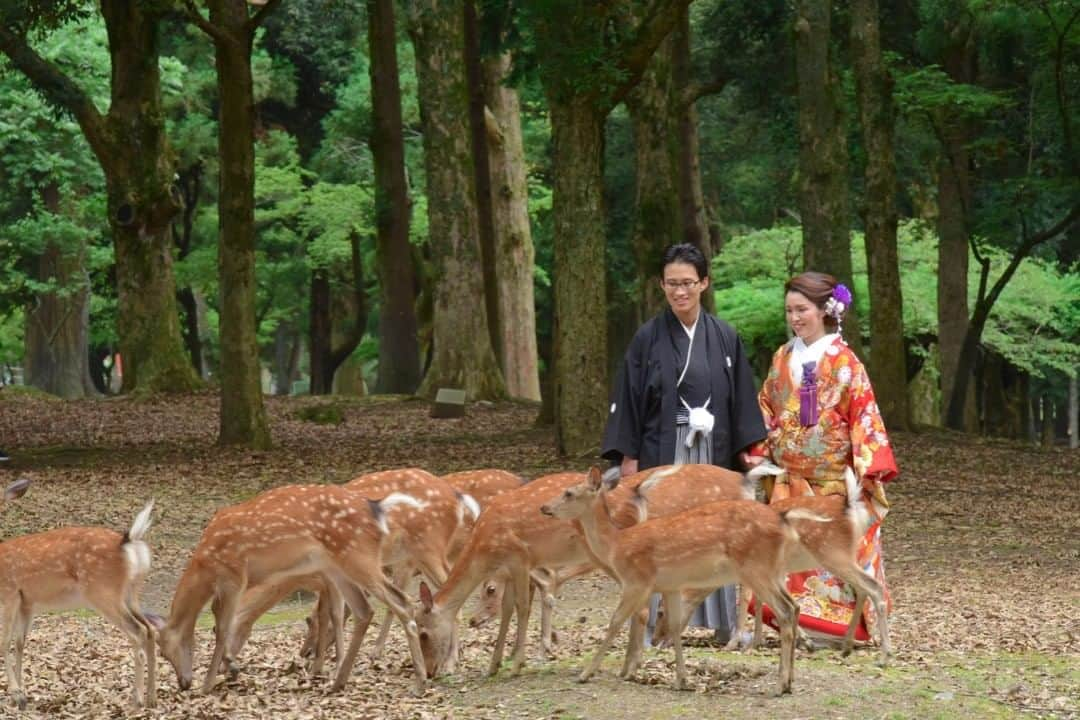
685,394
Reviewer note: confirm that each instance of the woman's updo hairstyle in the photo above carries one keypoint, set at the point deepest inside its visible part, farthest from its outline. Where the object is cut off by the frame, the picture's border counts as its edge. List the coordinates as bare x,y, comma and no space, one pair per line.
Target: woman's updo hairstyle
818,288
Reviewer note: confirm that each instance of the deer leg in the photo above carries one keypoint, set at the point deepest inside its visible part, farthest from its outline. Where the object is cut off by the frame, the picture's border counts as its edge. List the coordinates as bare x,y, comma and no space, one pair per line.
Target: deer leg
362,614
398,603
630,602
523,602
787,618
505,611
636,644
741,612
865,587
402,573
673,603
255,603
120,615
13,660
224,607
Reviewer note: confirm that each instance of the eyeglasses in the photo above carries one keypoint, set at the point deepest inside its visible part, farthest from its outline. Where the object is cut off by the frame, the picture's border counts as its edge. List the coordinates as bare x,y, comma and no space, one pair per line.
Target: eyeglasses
675,285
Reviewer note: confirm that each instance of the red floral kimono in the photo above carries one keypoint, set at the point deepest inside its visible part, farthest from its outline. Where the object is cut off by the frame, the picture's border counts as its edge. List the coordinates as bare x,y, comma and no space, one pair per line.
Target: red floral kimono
849,431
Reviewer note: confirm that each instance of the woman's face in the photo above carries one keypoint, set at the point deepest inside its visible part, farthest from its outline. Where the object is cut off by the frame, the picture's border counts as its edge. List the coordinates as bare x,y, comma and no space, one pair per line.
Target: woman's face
804,318
682,288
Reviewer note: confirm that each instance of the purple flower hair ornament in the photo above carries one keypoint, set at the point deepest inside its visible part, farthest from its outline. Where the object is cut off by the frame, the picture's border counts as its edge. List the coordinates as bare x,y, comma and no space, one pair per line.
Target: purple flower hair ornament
838,302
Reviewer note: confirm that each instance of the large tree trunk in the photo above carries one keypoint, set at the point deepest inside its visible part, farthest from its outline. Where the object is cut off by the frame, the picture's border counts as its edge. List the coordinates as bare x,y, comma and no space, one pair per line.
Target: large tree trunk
399,352
56,357
823,164
954,200
135,157
462,354
482,174
514,256
580,333
286,357
329,349
243,416
657,210
876,116
694,221
1074,406
193,328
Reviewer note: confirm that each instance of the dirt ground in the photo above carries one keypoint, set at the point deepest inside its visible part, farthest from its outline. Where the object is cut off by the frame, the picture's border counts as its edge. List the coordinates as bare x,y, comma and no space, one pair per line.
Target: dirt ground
982,549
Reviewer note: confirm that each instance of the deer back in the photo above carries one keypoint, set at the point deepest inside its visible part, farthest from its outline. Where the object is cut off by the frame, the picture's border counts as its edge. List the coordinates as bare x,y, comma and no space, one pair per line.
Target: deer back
678,488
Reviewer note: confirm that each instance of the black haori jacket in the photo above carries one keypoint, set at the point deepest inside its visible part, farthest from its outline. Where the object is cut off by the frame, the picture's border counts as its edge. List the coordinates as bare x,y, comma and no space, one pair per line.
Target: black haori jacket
641,419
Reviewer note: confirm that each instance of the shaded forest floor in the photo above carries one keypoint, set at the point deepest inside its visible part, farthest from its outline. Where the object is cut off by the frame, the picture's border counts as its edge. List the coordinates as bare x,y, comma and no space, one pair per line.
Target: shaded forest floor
982,550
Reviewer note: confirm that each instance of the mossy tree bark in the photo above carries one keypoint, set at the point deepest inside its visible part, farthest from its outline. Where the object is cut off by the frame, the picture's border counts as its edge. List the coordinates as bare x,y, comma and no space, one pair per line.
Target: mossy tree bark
243,416
514,253
462,355
129,142
823,164
399,351
873,87
593,56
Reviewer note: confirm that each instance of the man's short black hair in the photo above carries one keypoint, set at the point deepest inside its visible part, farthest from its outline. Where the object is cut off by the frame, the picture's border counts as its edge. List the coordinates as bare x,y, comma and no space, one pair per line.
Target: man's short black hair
689,254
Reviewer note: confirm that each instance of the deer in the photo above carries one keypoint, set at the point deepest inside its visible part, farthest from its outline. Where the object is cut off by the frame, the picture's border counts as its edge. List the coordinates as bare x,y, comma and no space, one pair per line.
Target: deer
701,548
832,546
654,492
422,541
511,535
77,567
287,532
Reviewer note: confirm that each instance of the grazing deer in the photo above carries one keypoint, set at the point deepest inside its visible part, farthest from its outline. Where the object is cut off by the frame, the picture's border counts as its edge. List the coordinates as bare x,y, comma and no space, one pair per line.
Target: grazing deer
72,568
287,532
656,492
833,546
704,547
420,541
511,534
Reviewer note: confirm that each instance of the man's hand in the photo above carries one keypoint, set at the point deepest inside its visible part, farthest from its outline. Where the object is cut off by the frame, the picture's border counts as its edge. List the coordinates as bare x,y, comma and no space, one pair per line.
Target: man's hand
628,466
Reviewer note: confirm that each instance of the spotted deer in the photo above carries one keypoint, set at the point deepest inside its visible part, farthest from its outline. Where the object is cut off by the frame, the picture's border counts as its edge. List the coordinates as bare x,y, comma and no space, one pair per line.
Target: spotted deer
288,532
511,535
77,567
422,540
702,548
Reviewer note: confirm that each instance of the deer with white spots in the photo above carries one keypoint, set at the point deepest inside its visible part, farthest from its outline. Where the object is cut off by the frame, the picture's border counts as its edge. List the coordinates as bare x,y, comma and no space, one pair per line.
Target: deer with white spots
651,493
77,567
422,540
705,547
510,535
288,532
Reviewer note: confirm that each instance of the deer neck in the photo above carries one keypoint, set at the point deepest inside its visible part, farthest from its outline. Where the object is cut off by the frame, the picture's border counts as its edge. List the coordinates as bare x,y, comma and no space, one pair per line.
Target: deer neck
599,529
473,566
192,593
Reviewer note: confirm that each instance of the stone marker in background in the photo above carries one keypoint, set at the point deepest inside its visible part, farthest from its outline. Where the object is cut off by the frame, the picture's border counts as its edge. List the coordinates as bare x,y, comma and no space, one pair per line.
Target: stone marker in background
448,404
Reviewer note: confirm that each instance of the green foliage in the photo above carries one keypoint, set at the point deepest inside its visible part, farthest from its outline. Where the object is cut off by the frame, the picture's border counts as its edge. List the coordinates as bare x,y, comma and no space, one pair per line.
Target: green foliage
1035,324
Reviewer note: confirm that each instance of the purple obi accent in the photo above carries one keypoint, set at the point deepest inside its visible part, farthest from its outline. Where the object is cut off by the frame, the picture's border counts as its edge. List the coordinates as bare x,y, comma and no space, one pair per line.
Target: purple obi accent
808,410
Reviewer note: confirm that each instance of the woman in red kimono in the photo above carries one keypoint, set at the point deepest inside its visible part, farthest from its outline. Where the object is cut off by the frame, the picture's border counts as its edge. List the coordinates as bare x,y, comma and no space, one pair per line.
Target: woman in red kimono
821,417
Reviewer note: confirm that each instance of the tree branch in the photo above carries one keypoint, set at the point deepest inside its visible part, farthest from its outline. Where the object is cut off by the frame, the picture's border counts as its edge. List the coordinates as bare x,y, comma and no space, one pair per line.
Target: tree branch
260,16
216,34
634,54
694,91
59,89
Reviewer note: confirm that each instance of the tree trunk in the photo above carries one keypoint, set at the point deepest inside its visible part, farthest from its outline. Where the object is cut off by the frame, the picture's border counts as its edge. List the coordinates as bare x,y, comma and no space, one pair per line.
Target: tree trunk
399,352
514,256
286,357
482,174
1074,403
580,333
322,376
462,354
1047,421
823,171
877,117
657,211
329,349
243,416
694,222
57,358
954,200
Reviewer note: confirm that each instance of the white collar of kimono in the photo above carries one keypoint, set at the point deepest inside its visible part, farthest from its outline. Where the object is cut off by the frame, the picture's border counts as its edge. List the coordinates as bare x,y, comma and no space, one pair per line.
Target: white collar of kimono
803,353
691,329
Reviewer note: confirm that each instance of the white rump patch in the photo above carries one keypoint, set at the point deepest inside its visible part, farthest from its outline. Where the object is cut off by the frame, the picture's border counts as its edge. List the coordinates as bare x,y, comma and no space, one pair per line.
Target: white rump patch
141,523
654,479
137,558
860,516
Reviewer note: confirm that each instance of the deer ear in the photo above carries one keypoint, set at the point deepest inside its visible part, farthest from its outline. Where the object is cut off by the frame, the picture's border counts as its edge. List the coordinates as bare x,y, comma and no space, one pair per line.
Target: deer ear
425,596
595,478
611,477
